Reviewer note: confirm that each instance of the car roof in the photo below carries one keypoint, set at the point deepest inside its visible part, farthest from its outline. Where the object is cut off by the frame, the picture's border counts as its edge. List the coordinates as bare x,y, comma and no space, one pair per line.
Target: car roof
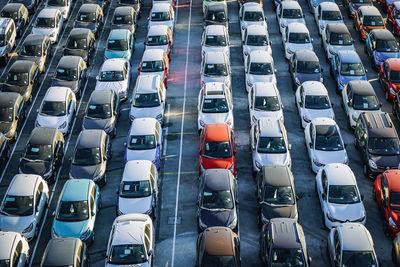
124,10
265,89
212,7
48,13
88,8
69,62
61,246
76,190
363,88
153,55
290,5
277,175
42,135
7,240
22,66
252,7
323,121
339,174
218,241
379,124
137,170
314,88
129,229
99,97
90,138
329,6
337,27
349,56
79,33
257,30
215,58
217,179
8,99
212,90
261,56
10,7
369,11
270,127
160,7
297,27
157,30
143,126
113,64
284,233
215,30
57,93
117,34
383,34
354,237
34,39
306,55
147,83
393,179
216,132
23,184
394,63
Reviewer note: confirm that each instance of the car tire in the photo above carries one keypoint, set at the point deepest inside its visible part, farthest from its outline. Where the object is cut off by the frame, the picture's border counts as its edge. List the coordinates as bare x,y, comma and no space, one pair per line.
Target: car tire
365,170
374,193
113,132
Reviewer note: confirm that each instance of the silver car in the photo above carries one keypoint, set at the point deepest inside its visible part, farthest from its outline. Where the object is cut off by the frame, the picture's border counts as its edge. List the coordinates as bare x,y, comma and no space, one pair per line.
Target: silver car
259,67
215,67
49,22
215,39
264,101
14,250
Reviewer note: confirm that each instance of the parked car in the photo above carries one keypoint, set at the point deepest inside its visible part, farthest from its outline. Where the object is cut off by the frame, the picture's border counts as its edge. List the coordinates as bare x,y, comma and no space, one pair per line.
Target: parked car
381,45
207,2
304,66
24,205
159,37
136,4
215,39
396,250
12,114
389,77
215,67
353,5
125,18
8,38
259,67
63,5
256,37
162,14
367,18
90,16
155,62
19,13
289,12
327,13
31,5
313,4
251,14
120,44
74,253
49,22
336,37
296,37
216,14
80,42
264,101
36,48
15,249
393,16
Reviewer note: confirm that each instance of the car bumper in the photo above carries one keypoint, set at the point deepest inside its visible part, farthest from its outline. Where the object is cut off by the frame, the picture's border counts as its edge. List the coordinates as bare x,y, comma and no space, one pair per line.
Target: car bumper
331,224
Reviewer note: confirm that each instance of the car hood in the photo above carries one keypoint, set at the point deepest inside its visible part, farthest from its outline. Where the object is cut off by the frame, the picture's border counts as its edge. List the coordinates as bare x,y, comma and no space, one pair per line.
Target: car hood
162,47
217,217
270,114
271,211
148,154
87,25
131,28
134,205
144,264
246,24
224,49
285,22
216,163
336,48
15,223
347,79
114,86
316,113
391,161
349,212
294,47
30,58
271,159
73,85
247,49
43,31
34,167
116,54
216,79
70,229
326,157
76,52
323,23
5,127
303,77
51,121
150,112
15,88
168,23
261,78
96,123
208,118
385,55
85,172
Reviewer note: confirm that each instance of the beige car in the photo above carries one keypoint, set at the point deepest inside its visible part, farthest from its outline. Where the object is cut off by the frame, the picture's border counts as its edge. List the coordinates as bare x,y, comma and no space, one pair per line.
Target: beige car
12,111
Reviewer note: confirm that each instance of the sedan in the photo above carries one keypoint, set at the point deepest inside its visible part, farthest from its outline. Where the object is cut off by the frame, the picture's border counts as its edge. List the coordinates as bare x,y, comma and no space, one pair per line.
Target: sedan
162,14
381,45
256,37
327,12
264,101
251,14
259,67
215,39
80,42
63,5
389,77
36,48
289,12
90,16
215,67
335,37
159,37
304,66
296,37
155,62
49,22
120,44
19,13
15,248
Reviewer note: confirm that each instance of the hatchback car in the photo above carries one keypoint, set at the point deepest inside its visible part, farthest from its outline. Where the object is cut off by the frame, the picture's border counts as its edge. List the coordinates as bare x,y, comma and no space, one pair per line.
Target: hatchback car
336,37
144,141
393,17
327,13
265,101
367,18
214,105
49,22
381,45
24,205
15,249
215,67
296,37
389,77
359,96
216,14
115,74
138,190
43,153
102,112
131,241
256,37
80,42
289,12
90,156
124,18
90,16
63,5
259,67
304,66
74,253
251,14
346,66
162,14
19,13
36,48
120,44
12,114
155,62
159,37
215,39
77,210
217,200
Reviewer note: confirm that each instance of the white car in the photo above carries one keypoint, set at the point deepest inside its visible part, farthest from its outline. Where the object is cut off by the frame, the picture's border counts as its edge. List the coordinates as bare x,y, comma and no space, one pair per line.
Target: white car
312,101
148,98
155,62
289,12
138,190
324,143
336,37
256,37
259,67
49,22
63,5
131,241
162,14
326,13
269,144
264,101
359,96
115,74
215,67
215,39
251,14
296,37
57,109
159,37
24,204
14,249
214,105
338,195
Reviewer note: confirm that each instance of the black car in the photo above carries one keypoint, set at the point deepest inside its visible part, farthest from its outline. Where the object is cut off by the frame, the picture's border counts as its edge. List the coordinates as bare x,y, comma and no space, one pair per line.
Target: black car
217,200
43,153
31,5
4,149
124,18
74,253
19,13
101,3
89,161
12,112
90,16
71,72
80,42
304,66
23,78
36,48
136,4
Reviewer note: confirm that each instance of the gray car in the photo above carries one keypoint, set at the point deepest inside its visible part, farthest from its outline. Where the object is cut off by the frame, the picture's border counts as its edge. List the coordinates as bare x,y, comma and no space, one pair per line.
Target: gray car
90,16
73,251
124,18
304,66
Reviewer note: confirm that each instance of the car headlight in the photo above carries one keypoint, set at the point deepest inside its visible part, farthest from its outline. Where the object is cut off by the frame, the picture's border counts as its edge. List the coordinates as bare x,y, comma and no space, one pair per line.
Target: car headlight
342,83
364,31
159,116
85,234
97,178
63,125
53,34
233,224
246,53
317,163
298,83
28,229
392,91
330,217
48,174
249,83
258,165
321,80
289,51
202,168
119,212
154,161
9,133
243,27
354,117
332,51
378,58
202,124
229,122
202,225
131,117
264,219
283,25
392,223
148,212
254,119
322,27
306,119
346,160
372,164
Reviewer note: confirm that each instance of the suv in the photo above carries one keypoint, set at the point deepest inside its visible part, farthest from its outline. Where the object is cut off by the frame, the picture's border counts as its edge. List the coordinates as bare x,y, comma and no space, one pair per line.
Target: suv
377,140
74,253
283,243
8,33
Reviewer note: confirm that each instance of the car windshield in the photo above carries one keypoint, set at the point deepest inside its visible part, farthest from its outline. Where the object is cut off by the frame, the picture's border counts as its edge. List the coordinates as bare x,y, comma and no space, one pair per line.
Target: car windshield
257,40
142,142
358,258
340,39
218,261
160,16
38,152
292,14
343,194
328,138
394,200
111,76
155,40
215,105
278,195
373,21
56,2
17,78
308,67
285,257
117,45
387,46
123,19
216,16
271,145
266,103
67,74
6,114
17,205
135,189
317,102
253,16
217,150
352,69
86,17
87,156
331,15
215,70
53,108
98,111
365,102
45,23
127,254
299,38
152,66
73,211
218,199
215,40
261,68
31,50
76,43
12,15
383,146
395,76
146,100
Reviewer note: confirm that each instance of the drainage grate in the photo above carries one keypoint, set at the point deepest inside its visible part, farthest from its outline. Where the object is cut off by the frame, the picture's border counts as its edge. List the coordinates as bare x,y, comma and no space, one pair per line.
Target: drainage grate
171,220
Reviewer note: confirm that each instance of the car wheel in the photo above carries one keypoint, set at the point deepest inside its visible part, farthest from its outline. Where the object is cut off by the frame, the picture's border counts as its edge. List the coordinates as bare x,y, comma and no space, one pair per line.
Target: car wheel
365,170
114,132
356,144
374,193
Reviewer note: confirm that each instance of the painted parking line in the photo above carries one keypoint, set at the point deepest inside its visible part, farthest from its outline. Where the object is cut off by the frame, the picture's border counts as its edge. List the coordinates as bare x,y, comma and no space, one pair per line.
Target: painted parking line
175,173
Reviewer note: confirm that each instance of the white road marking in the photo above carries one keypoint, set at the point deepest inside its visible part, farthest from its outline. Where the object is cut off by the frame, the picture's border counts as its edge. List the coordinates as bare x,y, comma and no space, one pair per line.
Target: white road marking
166,131
181,141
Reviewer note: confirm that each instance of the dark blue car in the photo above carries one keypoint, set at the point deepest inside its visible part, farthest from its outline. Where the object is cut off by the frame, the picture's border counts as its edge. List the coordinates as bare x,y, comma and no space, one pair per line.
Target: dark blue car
381,45
304,66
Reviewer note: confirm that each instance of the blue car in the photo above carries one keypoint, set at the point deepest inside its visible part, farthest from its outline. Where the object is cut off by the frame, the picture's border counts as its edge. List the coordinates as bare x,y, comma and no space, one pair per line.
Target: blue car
346,66
120,44
77,209
381,45
304,66
313,4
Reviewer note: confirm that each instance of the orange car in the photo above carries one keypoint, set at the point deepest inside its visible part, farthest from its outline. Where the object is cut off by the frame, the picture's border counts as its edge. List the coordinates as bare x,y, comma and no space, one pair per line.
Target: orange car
366,19
217,148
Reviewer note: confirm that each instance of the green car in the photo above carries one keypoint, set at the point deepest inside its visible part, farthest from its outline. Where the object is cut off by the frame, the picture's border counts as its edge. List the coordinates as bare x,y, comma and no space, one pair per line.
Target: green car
207,2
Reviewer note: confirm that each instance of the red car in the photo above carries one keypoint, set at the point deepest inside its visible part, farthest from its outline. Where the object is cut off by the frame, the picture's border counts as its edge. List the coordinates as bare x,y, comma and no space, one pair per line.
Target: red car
366,19
389,76
394,16
217,148
387,194
155,61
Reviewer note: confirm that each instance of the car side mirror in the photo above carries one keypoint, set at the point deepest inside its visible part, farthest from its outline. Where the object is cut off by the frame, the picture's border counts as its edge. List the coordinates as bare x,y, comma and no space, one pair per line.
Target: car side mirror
312,40
345,145
104,157
350,103
323,196
332,105
198,203
17,117
380,104
290,146
310,144
93,213
70,159
366,71
53,213
125,144
150,253
97,77
309,260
